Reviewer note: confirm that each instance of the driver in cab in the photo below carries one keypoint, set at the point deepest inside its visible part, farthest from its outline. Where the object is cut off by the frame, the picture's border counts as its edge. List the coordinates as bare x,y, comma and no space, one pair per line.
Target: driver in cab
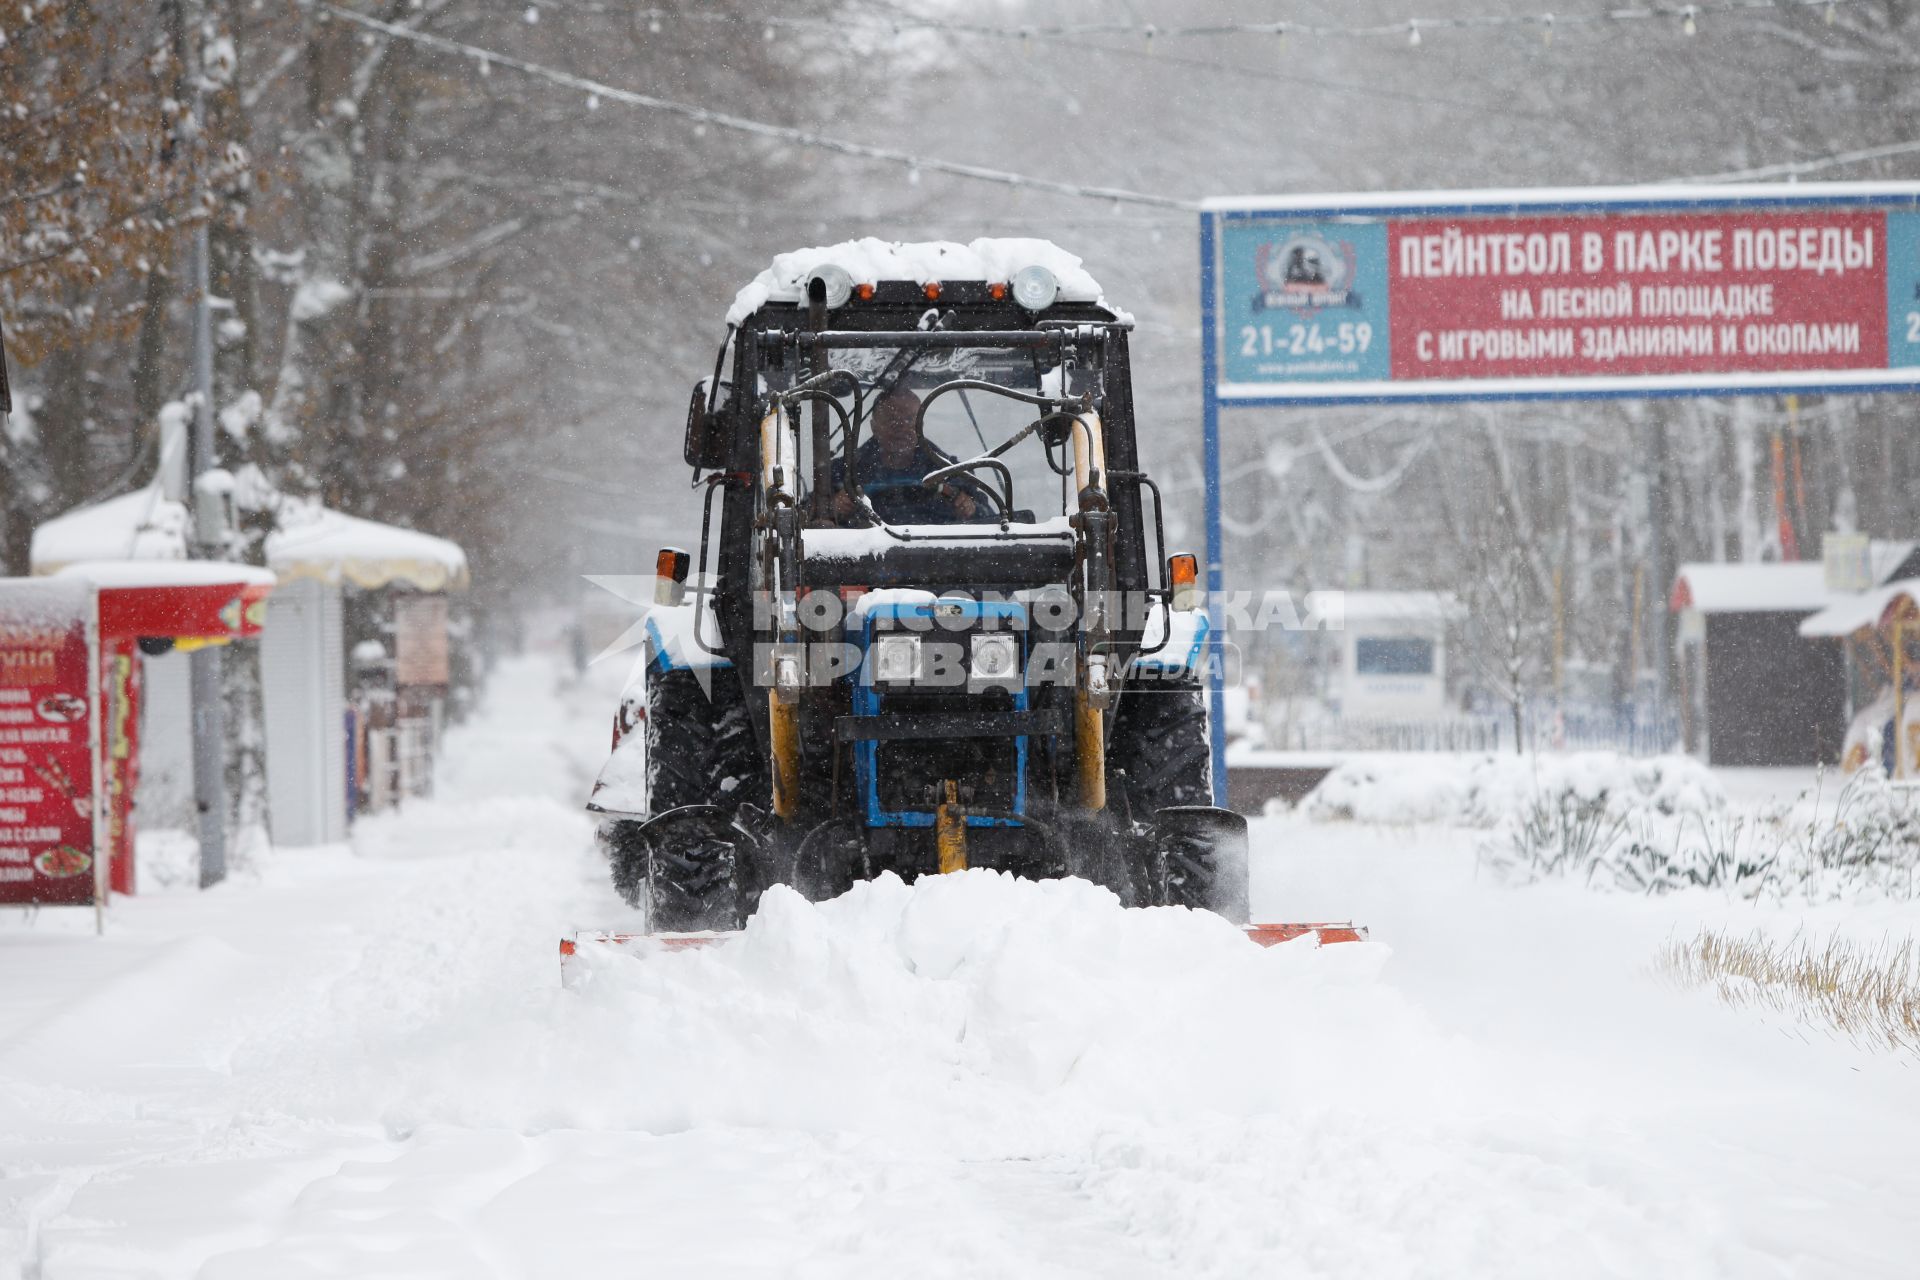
890,467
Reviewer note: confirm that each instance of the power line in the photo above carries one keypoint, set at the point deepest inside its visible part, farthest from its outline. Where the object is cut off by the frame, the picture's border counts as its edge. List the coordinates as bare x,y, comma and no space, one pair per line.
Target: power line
1685,16
1375,91
1794,168
1117,195
757,128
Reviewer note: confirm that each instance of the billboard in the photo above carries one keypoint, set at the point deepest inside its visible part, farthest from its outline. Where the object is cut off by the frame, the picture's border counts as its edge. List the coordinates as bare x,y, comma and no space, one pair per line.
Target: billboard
1578,292
49,735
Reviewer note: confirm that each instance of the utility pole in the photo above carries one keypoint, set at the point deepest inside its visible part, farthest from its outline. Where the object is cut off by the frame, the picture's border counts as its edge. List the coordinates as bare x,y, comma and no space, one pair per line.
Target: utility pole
6,392
209,519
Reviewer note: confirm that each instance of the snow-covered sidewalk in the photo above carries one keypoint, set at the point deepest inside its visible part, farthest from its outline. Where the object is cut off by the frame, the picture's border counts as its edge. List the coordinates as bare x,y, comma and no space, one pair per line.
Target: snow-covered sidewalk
360,1062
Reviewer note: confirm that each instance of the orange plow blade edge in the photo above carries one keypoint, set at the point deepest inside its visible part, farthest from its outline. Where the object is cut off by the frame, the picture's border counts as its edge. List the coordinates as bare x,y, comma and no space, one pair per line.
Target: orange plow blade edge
1326,933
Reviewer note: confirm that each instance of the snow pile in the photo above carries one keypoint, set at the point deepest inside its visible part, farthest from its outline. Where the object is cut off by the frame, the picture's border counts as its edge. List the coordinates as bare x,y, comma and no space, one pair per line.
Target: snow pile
1484,790
871,261
977,1002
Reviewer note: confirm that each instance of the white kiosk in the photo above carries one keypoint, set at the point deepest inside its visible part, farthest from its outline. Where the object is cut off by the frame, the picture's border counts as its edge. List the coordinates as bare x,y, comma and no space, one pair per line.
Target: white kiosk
1393,654
316,552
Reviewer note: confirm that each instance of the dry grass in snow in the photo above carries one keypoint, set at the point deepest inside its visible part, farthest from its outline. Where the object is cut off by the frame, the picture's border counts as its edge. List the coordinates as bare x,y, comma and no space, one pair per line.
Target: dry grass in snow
1869,993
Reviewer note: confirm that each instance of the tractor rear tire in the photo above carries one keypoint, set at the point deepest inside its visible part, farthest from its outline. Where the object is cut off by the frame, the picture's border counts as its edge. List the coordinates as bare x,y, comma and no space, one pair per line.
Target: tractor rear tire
700,751
701,747
739,769
680,724
1161,748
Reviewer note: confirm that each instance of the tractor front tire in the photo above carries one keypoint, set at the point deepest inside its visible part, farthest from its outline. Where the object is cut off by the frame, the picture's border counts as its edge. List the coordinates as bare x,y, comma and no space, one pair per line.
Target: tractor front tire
684,873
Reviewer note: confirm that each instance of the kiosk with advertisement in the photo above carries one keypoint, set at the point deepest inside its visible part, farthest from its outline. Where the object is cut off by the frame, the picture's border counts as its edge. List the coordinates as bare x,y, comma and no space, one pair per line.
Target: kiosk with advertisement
50,776
70,659
149,607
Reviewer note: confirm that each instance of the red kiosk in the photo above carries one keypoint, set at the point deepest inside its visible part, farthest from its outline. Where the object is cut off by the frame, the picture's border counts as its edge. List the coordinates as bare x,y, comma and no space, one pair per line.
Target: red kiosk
151,606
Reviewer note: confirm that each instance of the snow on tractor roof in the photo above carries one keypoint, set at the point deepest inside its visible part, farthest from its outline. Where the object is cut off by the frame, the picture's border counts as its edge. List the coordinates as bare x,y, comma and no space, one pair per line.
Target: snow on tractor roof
872,261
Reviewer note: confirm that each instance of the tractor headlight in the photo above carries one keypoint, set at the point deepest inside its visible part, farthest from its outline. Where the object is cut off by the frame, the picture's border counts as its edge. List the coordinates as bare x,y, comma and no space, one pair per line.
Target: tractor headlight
897,658
1035,288
995,656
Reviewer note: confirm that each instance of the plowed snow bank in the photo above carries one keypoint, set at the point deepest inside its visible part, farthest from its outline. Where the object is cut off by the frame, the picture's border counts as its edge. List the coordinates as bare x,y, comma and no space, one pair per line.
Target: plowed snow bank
877,1004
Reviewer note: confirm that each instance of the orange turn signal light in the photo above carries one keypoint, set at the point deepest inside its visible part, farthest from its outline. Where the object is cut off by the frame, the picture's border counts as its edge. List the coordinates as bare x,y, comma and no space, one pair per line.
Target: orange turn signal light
998,292
933,291
1183,580
670,575
864,292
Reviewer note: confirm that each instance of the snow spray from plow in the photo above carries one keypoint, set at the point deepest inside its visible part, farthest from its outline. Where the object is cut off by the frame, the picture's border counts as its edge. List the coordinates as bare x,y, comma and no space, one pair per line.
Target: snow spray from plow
588,941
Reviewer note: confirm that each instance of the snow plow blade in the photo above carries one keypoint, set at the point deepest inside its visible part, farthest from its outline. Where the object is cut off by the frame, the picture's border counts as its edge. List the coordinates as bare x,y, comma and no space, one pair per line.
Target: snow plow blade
1325,933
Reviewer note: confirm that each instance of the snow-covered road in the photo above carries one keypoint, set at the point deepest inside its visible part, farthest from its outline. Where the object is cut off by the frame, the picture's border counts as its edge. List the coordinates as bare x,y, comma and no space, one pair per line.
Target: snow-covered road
360,1063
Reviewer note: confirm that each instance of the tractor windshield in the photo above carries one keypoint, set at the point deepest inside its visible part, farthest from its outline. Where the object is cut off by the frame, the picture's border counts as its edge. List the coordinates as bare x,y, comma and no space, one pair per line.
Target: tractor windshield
911,430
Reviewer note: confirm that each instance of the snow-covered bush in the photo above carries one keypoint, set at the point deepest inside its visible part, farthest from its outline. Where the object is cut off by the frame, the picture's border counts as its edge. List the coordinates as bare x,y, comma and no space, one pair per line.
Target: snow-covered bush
1391,789
1866,844
1487,790
1556,833
1869,844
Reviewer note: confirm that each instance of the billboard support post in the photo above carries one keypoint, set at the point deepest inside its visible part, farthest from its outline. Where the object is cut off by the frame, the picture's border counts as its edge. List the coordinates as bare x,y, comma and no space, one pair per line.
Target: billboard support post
1216,550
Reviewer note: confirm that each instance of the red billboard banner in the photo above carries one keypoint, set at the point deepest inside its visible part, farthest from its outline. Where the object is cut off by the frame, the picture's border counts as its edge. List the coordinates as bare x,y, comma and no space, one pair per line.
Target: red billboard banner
1649,294
1571,292
49,731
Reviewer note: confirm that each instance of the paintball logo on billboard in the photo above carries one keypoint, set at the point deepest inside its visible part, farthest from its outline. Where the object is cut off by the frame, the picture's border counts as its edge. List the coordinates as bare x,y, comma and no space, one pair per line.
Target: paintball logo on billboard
1305,272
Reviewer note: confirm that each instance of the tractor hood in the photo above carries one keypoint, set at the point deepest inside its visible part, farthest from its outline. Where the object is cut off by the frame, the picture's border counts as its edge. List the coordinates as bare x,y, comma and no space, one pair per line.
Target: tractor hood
942,555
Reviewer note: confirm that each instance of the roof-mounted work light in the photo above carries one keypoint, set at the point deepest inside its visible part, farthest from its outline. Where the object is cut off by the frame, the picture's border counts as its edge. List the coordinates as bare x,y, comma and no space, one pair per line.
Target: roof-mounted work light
838,282
1035,288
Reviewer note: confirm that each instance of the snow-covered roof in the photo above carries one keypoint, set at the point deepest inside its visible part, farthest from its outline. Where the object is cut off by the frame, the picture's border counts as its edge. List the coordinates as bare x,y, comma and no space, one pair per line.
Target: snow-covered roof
872,261
141,525
316,542
1885,557
1399,606
1867,609
1796,587
167,573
